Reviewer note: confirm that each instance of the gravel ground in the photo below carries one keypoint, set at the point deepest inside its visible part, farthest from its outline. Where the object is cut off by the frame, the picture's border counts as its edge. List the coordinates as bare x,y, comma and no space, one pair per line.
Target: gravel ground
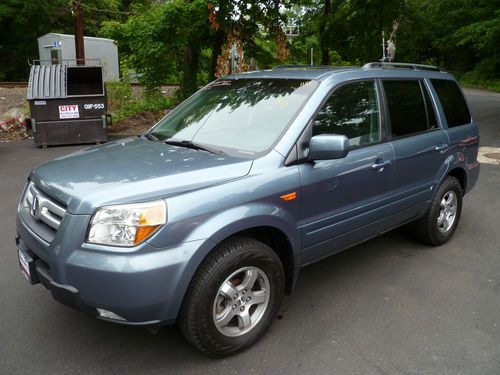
13,98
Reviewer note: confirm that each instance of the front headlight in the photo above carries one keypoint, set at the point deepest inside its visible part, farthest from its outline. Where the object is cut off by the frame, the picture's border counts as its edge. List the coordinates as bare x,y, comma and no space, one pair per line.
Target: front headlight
128,224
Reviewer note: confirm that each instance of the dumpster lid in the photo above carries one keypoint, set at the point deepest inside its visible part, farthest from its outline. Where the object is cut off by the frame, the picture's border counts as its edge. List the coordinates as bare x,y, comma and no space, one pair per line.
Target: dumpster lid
47,82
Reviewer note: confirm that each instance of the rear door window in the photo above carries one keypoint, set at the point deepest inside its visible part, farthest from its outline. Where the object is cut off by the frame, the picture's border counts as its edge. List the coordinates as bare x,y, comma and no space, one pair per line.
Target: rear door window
431,114
453,102
409,112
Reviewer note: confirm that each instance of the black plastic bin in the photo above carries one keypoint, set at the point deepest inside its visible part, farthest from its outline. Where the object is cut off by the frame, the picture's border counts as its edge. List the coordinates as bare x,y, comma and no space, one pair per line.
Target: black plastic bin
68,104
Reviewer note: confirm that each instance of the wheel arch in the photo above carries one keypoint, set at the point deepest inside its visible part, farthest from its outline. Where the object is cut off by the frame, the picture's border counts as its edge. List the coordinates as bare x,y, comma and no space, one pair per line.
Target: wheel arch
274,232
460,174
279,242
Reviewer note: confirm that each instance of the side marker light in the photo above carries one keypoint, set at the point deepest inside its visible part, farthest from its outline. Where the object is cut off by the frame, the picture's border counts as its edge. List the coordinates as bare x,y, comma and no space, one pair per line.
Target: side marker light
289,196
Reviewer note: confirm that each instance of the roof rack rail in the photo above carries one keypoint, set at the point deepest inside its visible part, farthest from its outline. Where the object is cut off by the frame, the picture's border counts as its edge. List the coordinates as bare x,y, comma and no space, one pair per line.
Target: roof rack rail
382,65
303,67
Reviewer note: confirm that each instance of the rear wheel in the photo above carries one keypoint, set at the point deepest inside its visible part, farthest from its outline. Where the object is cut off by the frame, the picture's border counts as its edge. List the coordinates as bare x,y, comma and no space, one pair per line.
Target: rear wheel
441,220
233,297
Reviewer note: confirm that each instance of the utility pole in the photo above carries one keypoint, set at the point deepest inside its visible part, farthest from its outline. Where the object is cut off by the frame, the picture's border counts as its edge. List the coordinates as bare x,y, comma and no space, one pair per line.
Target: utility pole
79,46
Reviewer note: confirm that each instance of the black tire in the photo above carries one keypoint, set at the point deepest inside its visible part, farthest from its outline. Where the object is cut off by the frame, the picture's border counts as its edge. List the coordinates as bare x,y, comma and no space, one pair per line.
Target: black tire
427,228
196,318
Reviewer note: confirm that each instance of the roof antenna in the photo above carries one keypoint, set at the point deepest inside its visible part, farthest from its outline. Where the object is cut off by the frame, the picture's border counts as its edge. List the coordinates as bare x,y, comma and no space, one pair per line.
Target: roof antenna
384,56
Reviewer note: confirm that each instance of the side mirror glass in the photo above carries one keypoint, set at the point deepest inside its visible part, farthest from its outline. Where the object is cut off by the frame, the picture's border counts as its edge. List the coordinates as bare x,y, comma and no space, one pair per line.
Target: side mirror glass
328,146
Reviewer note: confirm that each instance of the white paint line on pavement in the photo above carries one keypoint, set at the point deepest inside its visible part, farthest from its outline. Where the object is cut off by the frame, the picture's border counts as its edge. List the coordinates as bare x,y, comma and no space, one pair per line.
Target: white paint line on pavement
485,155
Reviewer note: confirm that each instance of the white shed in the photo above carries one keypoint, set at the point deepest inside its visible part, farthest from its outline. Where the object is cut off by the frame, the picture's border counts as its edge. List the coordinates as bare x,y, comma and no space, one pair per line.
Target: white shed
55,48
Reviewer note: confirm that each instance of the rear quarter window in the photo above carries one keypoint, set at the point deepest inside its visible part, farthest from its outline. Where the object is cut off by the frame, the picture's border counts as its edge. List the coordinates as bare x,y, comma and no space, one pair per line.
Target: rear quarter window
453,102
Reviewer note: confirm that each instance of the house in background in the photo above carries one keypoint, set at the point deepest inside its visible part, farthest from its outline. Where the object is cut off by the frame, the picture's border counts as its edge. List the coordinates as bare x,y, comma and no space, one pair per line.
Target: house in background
57,48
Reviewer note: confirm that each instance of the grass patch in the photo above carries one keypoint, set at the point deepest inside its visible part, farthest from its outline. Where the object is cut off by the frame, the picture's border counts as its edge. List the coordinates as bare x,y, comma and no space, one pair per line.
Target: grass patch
471,80
123,102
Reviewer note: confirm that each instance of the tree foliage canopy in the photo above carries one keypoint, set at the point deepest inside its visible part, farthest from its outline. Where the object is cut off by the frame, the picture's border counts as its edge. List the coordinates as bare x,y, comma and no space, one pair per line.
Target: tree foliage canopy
189,41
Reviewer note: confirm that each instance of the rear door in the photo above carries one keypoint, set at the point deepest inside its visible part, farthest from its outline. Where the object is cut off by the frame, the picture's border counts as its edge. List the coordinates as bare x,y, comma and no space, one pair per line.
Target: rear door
420,147
344,200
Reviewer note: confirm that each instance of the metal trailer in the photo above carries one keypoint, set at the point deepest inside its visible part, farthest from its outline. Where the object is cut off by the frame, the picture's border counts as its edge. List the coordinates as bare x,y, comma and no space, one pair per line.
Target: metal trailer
54,48
68,104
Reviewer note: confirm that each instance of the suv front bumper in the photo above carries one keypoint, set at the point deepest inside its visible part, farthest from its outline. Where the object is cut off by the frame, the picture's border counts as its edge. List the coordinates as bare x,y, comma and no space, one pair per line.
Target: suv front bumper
39,273
143,287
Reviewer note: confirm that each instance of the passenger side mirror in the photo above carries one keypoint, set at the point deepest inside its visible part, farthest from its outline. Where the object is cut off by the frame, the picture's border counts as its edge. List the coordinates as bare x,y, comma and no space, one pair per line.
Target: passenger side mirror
328,146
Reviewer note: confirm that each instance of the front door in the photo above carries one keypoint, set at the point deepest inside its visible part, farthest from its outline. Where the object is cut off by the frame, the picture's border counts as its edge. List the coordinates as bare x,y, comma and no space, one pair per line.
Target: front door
344,200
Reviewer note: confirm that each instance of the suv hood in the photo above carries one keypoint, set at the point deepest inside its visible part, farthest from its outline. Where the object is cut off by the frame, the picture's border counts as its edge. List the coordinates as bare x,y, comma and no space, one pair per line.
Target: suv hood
132,170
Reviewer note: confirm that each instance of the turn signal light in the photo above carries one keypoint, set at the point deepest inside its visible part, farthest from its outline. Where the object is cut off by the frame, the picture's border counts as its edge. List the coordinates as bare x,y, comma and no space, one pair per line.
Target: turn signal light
289,197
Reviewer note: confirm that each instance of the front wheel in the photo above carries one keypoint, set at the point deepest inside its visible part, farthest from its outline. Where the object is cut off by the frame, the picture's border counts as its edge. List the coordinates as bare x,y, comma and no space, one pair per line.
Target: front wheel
233,297
439,223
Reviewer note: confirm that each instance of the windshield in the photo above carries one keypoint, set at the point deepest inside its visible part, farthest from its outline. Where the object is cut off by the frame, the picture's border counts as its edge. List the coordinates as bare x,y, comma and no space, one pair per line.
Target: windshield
244,116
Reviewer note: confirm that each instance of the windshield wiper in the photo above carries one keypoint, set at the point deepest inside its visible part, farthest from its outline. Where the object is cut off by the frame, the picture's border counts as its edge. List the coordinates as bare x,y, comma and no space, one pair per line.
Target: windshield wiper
191,144
150,137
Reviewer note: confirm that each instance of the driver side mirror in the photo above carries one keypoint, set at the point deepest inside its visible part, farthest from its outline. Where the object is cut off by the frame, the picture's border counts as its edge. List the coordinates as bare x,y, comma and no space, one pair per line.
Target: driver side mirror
328,146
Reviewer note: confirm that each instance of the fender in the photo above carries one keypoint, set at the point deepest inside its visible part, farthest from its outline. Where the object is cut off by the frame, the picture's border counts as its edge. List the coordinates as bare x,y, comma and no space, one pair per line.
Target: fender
464,142
229,223
449,164
459,160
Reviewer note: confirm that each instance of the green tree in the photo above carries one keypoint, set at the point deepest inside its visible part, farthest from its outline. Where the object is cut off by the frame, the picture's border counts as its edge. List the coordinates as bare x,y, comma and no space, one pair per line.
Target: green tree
256,22
347,30
163,40
460,35
167,39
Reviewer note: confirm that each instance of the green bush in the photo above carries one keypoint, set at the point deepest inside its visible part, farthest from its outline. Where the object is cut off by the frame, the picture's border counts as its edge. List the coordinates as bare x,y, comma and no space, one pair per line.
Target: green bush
119,95
122,104
474,80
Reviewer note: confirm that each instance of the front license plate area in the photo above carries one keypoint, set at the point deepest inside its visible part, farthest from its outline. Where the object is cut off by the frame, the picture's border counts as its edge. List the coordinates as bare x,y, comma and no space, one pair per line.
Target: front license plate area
27,265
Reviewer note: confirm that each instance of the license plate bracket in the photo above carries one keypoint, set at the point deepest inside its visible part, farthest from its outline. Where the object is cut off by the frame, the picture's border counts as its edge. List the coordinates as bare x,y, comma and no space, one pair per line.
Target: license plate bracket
27,265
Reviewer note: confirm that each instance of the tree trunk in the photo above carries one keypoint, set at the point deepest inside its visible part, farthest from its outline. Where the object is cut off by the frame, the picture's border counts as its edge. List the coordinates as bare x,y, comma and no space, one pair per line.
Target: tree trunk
220,37
323,37
189,82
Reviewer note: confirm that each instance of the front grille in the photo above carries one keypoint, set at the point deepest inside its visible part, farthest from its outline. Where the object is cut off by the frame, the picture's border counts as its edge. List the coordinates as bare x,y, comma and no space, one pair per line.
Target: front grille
41,212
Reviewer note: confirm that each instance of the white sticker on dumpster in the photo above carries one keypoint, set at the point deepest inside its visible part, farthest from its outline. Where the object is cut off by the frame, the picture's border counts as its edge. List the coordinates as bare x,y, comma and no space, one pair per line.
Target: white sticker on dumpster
69,111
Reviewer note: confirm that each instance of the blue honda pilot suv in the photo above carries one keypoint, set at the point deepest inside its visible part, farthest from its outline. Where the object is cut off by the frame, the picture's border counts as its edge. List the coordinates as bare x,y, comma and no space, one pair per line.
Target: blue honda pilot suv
206,219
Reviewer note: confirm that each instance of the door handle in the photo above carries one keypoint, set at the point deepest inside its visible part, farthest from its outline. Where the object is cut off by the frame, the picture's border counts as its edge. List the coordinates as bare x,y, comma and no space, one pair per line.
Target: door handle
380,164
440,147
